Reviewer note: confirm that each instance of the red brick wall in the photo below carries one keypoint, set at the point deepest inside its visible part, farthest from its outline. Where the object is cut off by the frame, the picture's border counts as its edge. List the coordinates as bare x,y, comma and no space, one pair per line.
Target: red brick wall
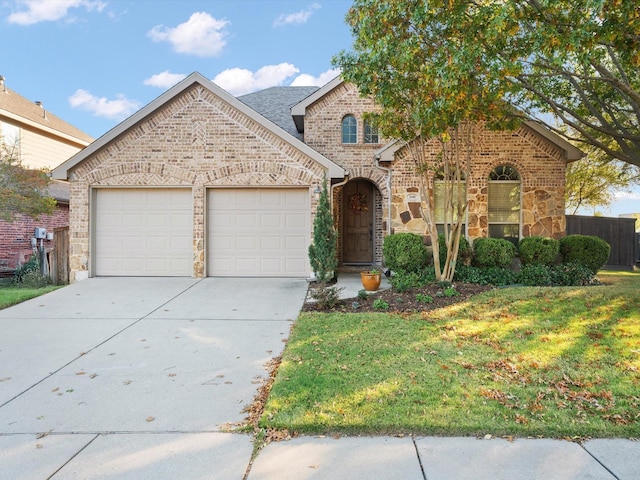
15,237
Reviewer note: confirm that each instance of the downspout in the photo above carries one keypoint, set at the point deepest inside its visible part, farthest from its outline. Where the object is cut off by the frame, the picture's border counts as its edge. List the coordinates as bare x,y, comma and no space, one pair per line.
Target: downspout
339,184
388,170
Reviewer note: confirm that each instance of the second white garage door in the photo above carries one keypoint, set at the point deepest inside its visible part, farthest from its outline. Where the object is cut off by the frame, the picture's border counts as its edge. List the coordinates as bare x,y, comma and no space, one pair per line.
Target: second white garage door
253,232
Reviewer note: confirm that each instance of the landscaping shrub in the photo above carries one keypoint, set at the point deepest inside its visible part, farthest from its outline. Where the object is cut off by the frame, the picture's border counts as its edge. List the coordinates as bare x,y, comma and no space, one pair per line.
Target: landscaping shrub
405,252
464,251
538,250
493,252
31,266
500,276
327,297
572,274
402,281
535,275
589,251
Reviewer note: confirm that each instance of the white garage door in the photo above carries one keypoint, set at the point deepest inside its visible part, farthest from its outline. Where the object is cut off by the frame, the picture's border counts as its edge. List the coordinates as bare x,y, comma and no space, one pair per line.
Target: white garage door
258,232
143,232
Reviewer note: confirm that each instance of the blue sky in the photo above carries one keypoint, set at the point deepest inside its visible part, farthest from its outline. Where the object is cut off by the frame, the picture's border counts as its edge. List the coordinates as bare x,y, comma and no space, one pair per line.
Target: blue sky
95,62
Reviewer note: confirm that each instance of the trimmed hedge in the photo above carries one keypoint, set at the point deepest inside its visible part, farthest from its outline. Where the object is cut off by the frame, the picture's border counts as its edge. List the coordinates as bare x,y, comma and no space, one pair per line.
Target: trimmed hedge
538,250
405,252
493,252
587,250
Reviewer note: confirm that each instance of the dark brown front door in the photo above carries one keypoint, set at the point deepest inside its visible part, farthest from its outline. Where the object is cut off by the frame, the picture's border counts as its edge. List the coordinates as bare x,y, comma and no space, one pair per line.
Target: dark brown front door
357,206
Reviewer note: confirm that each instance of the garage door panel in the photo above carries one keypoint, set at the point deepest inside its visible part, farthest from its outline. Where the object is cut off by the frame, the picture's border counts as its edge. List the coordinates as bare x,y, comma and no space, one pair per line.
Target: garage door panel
143,232
257,232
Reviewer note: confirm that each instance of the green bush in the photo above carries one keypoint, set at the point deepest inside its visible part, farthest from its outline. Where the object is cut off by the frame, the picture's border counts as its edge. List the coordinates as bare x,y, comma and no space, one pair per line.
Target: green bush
31,266
405,252
402,281
538,250
464,251
572,274
535,275
500,276
493,252
589,251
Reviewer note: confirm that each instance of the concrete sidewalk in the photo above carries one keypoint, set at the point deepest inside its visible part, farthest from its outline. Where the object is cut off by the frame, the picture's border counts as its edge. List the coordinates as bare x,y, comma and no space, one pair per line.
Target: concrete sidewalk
131,378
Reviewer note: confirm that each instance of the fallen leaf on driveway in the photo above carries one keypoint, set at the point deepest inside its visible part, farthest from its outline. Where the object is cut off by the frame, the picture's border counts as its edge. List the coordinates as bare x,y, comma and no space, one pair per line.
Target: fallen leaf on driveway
80,373
5,379
150,418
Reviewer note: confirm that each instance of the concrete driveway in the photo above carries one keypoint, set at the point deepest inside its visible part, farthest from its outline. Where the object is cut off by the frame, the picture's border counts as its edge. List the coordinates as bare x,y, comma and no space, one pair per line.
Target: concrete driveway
134,378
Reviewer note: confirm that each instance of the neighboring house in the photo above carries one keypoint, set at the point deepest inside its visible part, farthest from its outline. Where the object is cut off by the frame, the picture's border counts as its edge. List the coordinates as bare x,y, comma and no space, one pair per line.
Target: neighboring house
200,183
40,140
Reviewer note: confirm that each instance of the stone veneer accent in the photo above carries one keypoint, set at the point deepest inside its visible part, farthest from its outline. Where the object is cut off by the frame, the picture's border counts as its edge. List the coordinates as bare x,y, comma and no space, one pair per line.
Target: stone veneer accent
541,167
196,140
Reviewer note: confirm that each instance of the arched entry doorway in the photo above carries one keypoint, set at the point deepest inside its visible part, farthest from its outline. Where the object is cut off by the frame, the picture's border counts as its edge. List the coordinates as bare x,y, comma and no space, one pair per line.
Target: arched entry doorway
358,208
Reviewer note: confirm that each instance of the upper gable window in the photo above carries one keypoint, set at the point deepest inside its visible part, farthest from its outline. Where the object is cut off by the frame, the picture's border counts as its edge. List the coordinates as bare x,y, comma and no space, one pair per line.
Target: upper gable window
370,133
349,129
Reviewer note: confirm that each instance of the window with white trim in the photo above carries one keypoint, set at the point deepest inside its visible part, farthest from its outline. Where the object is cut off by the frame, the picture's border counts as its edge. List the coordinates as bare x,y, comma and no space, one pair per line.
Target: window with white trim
370,133
349,129
504,203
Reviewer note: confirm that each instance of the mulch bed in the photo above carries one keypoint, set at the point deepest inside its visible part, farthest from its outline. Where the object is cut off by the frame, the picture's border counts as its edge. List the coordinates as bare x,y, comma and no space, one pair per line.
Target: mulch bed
398,301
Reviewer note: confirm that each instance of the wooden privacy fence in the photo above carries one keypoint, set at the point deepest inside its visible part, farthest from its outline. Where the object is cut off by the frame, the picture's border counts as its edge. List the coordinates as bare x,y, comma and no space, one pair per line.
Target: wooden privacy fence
60,256
617,232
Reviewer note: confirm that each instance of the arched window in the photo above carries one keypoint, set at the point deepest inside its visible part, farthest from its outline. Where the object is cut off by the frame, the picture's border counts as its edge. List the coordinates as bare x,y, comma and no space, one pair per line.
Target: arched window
504,203
349,129
370,133
439,200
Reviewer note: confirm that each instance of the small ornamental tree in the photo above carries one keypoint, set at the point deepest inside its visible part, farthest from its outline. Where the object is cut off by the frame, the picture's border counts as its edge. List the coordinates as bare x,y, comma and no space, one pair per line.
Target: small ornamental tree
323,250
22,190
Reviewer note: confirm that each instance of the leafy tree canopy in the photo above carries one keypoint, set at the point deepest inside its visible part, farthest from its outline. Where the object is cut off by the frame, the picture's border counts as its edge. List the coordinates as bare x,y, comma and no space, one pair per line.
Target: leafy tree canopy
22,190
593,180
571,64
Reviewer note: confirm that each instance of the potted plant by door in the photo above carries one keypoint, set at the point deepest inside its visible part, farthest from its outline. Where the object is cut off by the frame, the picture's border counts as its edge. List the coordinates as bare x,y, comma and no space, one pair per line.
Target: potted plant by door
371,280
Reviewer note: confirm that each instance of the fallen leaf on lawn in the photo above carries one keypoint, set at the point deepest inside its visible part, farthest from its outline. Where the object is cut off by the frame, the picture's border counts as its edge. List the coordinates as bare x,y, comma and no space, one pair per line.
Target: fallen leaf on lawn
150,418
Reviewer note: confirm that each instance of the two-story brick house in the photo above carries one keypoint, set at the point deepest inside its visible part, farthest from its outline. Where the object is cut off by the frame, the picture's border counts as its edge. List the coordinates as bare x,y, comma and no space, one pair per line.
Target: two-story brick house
200,183
38,139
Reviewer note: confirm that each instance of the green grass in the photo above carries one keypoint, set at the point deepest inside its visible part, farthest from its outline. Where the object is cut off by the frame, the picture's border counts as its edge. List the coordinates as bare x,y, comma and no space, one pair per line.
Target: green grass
12,295
552,362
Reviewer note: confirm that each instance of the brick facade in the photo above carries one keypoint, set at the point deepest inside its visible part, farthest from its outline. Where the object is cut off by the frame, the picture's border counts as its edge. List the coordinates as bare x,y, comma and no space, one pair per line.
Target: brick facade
540,164
199,140
16,235
196,140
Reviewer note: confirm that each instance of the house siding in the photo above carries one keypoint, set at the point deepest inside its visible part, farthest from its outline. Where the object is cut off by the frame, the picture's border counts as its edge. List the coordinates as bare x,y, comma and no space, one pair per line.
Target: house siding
197,140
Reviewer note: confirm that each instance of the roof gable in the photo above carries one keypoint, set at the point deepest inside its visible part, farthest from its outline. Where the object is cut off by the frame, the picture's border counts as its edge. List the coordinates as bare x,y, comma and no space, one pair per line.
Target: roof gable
61,172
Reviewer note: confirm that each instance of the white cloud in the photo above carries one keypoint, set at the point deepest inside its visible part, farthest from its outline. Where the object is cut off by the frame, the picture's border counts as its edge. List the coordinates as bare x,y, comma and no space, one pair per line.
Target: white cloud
201,35
306,80
239,81
627,195
296,18
36,11
117,109
165,79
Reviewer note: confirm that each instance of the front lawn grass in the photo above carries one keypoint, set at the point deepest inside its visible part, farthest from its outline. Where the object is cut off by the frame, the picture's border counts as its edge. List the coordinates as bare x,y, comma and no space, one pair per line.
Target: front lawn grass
11,295
552,362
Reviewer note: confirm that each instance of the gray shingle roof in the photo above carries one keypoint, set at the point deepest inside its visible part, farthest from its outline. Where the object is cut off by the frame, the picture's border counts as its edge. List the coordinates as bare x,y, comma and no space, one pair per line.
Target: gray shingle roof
275,104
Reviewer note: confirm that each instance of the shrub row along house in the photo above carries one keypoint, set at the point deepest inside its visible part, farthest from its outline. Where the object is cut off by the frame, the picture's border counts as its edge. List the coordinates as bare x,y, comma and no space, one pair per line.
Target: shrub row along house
201,183
38,139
